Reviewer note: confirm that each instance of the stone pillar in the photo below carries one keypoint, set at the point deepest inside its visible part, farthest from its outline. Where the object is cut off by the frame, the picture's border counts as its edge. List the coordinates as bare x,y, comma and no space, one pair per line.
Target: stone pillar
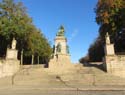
109,48
11,54
62,41
109,54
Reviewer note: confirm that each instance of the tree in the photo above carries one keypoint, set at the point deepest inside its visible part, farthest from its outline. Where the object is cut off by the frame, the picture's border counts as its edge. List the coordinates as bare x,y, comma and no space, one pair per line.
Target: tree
110,16
15,22
96,50
38,46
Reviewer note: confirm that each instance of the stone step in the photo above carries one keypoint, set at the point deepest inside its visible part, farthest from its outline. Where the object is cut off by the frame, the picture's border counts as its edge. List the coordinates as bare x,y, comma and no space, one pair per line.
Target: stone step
83,76
5,81
95,79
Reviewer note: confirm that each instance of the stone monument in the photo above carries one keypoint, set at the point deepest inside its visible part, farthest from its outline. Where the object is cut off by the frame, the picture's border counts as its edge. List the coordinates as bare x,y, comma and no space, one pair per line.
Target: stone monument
114,64
61,56
109,48
12,53
12,64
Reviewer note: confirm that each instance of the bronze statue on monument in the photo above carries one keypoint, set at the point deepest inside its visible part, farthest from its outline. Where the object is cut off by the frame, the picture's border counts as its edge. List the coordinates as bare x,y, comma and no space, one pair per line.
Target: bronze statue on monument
58,48
61,31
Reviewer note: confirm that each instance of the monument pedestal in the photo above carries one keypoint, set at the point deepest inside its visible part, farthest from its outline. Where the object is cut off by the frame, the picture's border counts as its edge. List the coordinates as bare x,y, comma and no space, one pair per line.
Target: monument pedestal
60,63
114,64
109,49
11,67
12,64
11,54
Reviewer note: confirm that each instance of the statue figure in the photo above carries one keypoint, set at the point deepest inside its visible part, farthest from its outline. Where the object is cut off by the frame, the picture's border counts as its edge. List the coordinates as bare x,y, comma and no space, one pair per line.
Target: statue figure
58,48
107,38
67,49
61,31
13,46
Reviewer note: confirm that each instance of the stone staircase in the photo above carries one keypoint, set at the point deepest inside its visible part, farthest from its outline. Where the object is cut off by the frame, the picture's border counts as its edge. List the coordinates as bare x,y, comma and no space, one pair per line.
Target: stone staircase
36,77
82,76
78,76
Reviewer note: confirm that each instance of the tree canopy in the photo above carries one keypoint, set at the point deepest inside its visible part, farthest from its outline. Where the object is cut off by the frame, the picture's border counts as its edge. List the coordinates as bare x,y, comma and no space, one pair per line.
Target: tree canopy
110,16
15,22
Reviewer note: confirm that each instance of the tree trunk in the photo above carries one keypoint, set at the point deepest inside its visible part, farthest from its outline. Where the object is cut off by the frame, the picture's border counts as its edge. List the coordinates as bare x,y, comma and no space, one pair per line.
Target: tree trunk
32,59
38,60
21,63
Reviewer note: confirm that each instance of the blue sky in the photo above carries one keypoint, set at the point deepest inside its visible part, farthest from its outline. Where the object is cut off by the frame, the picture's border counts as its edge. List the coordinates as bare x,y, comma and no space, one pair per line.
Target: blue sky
77,16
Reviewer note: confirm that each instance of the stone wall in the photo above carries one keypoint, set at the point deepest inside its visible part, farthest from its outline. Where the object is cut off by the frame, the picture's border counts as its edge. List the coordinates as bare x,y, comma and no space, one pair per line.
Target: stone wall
115,64
8,67
60,64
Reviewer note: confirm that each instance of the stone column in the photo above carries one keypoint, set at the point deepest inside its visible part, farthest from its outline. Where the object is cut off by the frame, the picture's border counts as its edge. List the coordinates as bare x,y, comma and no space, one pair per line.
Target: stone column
109,54
109,48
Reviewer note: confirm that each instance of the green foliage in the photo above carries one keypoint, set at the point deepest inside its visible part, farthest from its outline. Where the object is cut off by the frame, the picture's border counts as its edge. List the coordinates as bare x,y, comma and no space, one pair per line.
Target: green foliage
13,19
15,22
96,50
38,44
110,16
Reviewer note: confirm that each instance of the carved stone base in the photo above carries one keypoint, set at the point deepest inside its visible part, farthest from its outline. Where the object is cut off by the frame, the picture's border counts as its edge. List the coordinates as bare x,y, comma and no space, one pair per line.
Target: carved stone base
60,64
11,54
115,65
11,67
109,49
